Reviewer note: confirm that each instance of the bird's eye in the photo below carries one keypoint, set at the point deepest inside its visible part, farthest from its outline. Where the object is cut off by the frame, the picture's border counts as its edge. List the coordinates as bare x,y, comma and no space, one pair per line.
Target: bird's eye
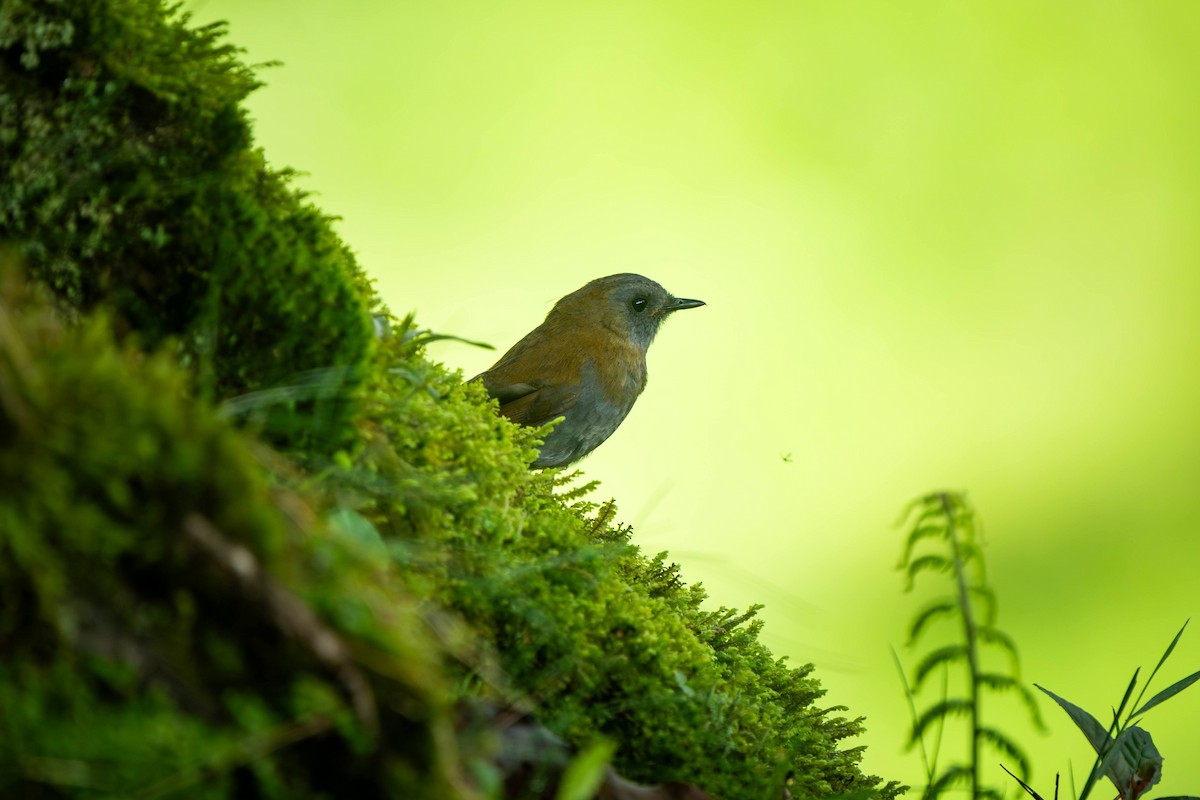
639,304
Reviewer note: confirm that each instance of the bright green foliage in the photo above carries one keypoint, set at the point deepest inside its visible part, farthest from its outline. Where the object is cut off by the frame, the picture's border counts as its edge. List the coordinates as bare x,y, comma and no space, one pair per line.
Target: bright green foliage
1125,753
583,776
167,618
129,180
944,539
595,638
235,620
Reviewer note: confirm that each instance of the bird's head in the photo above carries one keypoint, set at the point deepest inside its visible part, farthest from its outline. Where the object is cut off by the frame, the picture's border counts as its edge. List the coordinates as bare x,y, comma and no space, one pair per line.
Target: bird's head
629,305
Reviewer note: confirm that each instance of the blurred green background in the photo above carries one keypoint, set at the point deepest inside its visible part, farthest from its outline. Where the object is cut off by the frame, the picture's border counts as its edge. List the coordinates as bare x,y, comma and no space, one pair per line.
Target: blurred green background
944,245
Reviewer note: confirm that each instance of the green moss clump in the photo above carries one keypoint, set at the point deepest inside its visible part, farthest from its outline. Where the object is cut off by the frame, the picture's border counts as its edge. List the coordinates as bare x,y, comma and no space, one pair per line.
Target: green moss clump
130,181
171,620
594,637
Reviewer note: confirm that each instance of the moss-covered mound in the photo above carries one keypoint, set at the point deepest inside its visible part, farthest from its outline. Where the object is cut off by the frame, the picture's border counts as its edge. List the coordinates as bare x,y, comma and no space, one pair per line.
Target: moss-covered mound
171,621
130,182
185,610
598,638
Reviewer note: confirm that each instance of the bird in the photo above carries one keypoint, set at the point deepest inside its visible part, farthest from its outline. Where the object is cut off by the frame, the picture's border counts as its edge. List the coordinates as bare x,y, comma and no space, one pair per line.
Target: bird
586,364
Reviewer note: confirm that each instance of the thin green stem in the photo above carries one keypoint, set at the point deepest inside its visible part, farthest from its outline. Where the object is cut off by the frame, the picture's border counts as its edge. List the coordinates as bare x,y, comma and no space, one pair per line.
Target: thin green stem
949,508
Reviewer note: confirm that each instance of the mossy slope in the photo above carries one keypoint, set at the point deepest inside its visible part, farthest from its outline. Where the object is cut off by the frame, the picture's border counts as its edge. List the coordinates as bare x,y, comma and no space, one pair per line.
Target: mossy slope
130,505
168,617
130,182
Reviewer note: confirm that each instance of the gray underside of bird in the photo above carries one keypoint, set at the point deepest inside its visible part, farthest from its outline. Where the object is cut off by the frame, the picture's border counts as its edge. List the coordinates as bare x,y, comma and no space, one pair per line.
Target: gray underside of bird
586,409
582,430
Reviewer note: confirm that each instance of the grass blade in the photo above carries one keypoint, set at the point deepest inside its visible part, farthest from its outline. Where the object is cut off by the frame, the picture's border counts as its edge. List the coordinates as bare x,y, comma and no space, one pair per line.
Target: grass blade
1024,785
912,710
1166,654
1167,693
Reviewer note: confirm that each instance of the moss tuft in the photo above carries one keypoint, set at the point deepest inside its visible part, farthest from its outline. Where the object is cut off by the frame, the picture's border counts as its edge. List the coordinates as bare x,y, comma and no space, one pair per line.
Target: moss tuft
167,615
130,181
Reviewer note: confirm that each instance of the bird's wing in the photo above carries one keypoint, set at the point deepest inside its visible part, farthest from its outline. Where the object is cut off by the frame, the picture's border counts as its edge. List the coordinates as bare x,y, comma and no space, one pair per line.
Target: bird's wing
529,404
508,393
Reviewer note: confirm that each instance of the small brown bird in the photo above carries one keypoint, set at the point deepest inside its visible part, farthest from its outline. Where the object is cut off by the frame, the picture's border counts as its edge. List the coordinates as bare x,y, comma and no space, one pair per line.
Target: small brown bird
585,363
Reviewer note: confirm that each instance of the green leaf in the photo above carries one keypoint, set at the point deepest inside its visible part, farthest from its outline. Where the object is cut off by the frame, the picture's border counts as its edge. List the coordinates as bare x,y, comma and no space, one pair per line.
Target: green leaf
1102,767
313,384
930,563
1107,755
956,773
1024,785
1168,693
971,552
918,533
943,655
357,528
1136,764
928,510
1030,701
993,636
988,598
927,615
1097,735
929,525
1006,746
998,681
1167,653
1128,692
946,708
582,778
424,337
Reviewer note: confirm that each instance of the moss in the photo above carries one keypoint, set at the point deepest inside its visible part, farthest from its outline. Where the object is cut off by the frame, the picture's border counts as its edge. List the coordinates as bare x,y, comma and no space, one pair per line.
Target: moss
130,181
580,627
167,613
284,612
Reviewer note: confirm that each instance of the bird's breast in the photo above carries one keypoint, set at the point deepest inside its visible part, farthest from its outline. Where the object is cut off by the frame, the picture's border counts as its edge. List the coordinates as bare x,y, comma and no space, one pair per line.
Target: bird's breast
605,394
618,371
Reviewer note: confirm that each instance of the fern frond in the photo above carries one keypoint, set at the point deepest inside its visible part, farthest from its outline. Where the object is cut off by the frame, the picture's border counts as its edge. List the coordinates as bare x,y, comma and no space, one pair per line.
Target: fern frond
942,656
929,614
950,707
